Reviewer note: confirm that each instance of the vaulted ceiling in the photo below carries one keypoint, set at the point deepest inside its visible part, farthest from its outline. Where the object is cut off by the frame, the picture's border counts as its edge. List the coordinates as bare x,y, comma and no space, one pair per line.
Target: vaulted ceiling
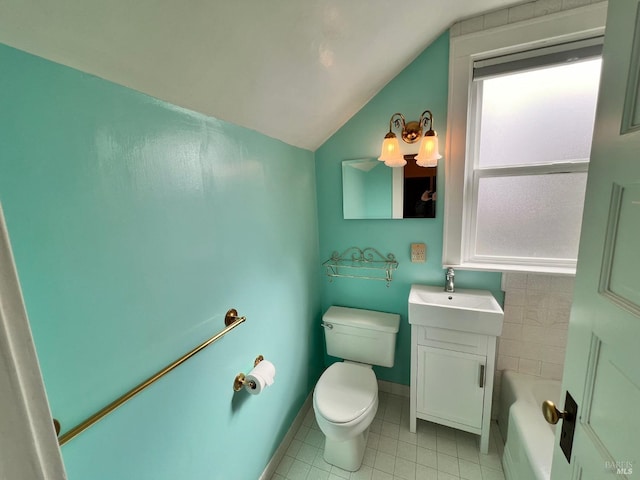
294,70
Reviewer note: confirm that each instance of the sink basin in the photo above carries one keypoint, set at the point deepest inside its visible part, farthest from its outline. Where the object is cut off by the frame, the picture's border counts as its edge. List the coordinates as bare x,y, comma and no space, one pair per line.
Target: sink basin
475,311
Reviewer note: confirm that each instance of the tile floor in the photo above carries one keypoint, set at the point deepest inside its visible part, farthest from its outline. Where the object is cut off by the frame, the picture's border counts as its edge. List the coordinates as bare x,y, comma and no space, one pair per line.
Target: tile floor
393,453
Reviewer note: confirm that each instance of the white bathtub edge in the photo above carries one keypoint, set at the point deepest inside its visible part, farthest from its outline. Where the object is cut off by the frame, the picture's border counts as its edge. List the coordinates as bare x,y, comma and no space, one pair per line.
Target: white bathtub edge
528,439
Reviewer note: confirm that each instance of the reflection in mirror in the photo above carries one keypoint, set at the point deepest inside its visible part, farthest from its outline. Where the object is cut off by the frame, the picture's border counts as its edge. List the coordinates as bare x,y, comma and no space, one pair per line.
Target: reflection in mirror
372,190
367,189
419,197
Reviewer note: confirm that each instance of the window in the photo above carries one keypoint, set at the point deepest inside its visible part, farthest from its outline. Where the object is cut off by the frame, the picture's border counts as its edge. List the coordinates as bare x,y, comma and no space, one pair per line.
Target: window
529,152
515,187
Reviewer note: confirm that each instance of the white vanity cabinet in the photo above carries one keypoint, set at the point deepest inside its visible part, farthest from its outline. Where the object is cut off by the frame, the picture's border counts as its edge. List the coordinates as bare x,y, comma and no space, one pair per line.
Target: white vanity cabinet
452,368
452,379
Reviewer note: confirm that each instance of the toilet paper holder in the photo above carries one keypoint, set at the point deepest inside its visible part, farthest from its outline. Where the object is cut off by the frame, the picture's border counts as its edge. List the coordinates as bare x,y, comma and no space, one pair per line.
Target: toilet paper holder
240,380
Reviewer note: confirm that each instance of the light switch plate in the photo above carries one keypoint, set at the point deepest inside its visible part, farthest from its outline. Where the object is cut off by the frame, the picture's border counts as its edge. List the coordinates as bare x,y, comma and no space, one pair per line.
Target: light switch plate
418,253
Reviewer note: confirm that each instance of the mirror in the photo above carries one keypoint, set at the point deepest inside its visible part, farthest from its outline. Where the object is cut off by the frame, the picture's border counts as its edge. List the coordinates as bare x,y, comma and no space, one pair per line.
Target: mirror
372,190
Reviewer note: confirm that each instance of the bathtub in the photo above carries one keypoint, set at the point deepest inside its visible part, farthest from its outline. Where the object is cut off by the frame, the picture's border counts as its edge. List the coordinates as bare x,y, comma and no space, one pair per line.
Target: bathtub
529,439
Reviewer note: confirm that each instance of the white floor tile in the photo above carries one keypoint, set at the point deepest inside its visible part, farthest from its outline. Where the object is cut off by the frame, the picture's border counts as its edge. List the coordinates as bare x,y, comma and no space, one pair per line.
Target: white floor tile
392,414
380,475
373,440
390,429
298,471
385,462
470,453
284,465
320,462
434,452
302,433
406,451
388,445
426,473
427,439
444,431
405,469
307,453
317,474
469,470
369,458
315,438
334,477
376,425
446,476
491,474
492,461
340,472
448,464
365,473
447,446
427,457
406,436
293,448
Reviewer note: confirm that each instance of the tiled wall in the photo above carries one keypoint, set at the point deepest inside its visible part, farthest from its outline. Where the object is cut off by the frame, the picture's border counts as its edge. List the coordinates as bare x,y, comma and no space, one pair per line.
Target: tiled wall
536,320
514,14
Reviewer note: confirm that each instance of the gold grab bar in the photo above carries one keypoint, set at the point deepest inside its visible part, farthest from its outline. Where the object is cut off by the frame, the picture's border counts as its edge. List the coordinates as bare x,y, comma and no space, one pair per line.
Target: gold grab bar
231,320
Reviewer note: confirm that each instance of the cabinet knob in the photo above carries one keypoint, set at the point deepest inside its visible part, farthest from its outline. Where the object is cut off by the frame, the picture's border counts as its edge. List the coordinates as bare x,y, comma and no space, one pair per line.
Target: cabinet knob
481,382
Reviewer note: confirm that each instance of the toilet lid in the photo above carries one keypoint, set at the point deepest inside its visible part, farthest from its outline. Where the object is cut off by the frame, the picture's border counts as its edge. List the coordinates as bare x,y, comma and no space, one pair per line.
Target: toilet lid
345,391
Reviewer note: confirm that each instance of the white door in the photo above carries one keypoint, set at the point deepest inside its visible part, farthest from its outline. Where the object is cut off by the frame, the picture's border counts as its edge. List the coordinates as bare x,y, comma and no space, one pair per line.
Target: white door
28,444
602,369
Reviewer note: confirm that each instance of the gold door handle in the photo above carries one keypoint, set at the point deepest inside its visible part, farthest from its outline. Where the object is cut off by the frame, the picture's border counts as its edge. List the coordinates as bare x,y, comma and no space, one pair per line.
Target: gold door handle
551,412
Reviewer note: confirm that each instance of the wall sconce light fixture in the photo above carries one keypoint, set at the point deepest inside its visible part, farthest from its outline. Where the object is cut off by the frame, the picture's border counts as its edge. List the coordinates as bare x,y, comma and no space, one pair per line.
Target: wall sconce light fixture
428,153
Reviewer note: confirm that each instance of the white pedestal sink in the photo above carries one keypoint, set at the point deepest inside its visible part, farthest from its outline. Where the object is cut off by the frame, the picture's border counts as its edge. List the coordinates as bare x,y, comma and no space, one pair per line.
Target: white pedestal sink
453,350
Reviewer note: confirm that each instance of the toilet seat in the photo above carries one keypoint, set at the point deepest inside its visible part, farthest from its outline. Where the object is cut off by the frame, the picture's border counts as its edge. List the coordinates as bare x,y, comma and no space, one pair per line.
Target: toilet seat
345,392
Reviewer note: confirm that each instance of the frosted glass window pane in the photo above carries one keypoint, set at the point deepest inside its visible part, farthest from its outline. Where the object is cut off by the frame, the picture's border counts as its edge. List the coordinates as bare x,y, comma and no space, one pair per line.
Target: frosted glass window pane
530,215
539,116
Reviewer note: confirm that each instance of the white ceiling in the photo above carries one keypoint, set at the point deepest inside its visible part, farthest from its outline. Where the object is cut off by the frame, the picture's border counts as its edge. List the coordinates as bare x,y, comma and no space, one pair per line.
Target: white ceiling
294,70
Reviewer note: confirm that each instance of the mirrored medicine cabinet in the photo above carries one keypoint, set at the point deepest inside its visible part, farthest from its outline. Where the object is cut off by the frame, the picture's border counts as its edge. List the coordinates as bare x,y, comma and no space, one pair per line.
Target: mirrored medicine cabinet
371,190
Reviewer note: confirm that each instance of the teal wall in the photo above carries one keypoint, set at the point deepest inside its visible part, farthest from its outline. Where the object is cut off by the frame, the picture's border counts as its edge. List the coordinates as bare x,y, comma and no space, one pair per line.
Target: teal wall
422,85
135,226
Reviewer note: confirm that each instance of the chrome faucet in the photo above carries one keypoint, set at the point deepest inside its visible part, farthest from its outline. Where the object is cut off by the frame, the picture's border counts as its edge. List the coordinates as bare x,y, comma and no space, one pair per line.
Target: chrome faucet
449,286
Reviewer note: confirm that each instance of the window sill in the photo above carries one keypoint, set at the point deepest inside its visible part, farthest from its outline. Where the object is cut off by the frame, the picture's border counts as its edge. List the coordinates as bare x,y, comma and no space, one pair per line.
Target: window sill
498,267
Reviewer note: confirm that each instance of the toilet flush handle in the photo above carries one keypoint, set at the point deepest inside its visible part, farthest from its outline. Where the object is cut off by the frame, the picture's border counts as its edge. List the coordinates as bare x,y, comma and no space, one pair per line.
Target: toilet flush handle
327,325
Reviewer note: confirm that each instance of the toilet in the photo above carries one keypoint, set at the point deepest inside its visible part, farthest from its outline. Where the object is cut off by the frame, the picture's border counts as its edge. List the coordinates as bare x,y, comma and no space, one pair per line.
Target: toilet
345,399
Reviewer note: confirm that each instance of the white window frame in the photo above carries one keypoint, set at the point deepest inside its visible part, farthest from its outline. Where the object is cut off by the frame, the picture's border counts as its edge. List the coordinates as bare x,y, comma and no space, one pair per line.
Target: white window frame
459,207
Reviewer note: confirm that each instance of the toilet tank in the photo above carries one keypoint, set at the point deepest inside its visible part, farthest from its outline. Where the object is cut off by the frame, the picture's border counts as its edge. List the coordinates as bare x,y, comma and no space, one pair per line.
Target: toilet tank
362,336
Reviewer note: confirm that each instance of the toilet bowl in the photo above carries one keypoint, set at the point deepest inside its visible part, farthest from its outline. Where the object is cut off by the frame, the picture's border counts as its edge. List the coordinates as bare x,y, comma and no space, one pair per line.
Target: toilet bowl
345,402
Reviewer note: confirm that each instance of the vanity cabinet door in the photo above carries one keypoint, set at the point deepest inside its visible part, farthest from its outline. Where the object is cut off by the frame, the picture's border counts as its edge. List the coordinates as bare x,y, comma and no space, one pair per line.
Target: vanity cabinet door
450,385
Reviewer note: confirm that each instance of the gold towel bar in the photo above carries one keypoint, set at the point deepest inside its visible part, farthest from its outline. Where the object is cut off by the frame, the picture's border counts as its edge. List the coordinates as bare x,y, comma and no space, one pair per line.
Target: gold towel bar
231,320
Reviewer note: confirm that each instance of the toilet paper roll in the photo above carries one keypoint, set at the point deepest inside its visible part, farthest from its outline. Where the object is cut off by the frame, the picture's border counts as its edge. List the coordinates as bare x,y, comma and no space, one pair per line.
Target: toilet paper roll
262,376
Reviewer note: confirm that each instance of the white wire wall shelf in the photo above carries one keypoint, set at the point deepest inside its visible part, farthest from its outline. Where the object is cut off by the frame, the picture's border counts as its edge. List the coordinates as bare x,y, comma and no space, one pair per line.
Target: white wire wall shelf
366,263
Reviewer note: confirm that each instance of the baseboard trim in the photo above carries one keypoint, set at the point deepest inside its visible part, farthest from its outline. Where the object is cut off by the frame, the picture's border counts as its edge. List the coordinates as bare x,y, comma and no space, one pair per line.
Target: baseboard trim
270,469
393,388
